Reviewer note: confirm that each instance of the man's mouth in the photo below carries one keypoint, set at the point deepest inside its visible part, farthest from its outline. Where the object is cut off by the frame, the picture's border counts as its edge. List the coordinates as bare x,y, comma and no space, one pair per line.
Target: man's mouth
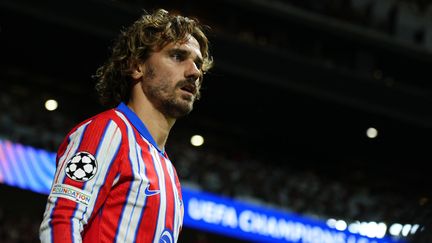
190,88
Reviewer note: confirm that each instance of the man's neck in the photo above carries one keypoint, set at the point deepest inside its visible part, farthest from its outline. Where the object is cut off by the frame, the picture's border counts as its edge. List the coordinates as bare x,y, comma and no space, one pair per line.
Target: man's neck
157,123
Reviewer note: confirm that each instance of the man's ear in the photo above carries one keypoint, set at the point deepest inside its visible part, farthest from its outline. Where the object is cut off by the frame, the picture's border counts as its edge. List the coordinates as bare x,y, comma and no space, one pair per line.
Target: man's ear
137,71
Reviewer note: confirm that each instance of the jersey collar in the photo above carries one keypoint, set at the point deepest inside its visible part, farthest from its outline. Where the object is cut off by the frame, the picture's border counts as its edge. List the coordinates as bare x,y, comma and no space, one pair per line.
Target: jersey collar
138,124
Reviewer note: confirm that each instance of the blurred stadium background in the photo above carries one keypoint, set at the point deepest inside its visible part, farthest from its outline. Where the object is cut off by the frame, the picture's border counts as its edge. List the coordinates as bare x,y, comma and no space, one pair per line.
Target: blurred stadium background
317,108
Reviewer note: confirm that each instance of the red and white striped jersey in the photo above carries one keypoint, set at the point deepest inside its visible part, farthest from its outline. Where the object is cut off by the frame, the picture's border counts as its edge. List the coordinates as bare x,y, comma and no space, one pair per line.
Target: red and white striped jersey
113,184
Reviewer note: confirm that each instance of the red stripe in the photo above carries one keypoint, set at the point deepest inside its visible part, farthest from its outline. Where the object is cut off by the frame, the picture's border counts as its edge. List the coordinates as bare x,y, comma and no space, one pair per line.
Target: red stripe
114,204
64,163
147,226
63,149
65,208
93,135
102,227
91,139
177,181
170,199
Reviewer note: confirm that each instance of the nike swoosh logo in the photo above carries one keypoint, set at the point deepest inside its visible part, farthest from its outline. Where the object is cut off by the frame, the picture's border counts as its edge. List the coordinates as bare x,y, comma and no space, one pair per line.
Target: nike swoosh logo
149,192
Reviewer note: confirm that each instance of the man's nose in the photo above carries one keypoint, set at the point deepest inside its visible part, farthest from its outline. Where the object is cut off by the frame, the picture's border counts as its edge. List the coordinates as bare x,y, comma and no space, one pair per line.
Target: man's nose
192,71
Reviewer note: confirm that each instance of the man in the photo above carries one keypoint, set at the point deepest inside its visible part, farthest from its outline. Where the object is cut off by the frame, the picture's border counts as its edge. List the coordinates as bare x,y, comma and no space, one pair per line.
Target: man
114,181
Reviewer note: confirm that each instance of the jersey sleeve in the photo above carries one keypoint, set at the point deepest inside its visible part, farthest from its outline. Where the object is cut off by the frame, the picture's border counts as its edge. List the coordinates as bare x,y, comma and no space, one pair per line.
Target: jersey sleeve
86,167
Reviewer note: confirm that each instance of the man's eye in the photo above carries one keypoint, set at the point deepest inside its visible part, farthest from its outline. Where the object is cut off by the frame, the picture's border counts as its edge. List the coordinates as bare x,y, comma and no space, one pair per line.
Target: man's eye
198,65
177,56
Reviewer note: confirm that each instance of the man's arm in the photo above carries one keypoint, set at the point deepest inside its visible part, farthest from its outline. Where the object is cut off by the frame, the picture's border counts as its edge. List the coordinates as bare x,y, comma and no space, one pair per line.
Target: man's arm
83,178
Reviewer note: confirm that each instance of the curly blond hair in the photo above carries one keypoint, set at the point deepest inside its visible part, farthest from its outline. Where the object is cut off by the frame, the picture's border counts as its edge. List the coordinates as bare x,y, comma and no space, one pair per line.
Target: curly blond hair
149,33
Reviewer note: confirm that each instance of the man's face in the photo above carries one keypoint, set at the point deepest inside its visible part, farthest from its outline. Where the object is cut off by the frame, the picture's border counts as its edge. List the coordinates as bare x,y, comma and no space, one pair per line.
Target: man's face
171,77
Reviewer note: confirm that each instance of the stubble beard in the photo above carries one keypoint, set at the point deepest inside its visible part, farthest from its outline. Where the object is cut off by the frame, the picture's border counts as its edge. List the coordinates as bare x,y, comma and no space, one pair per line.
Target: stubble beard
163,96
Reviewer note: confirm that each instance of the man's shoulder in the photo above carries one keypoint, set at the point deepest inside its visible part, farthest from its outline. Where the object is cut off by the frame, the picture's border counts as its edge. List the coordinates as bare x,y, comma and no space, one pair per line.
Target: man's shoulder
103,117
94,129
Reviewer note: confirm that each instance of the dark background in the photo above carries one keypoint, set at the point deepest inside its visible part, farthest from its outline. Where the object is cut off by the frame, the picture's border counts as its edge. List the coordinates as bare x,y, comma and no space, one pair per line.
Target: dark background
295,81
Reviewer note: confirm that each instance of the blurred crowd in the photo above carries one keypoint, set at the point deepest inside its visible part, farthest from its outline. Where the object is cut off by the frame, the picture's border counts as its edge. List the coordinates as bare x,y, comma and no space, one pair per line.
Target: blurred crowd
18,228
23,119
286,188
238,175
358,39
391,17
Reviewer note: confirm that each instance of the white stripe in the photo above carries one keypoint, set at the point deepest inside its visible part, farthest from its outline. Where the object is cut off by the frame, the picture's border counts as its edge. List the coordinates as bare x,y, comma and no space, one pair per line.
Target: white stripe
75,141
177,213
75,137
130,217
162,208
139,207
108,148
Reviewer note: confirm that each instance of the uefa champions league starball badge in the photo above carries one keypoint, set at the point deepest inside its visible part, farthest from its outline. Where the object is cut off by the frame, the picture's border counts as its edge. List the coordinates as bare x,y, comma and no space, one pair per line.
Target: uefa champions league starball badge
81,167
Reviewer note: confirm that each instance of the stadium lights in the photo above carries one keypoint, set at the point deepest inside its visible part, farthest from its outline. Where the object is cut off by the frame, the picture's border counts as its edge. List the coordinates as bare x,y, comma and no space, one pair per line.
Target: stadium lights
51,104
373,229
197,140
371,132
341,225
369,229
397,229
406,229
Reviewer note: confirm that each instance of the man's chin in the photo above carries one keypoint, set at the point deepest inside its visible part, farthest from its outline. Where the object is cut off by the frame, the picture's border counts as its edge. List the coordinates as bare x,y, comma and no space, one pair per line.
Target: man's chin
187,97
180,110
184,111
